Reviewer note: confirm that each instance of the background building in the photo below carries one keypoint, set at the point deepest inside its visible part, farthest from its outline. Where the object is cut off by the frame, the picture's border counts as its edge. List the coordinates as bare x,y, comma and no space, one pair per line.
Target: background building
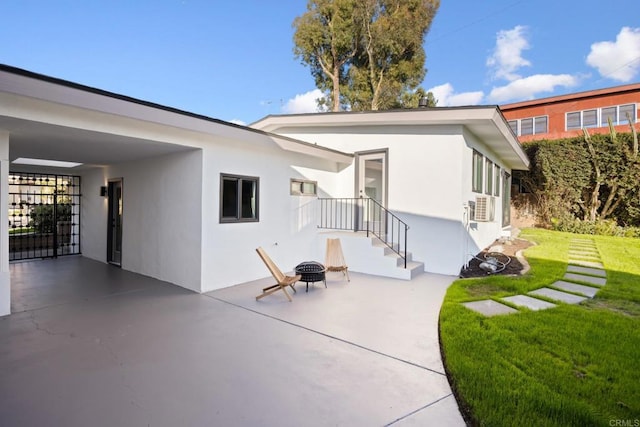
564,116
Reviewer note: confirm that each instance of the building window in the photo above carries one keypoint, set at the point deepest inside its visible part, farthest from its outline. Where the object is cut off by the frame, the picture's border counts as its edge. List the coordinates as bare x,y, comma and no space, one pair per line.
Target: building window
239,198
574,120
496,184
526,127
582,119
590,118
488,188
541,125
600,117
609,113
626,112
477,172
530,126
301,187
618,114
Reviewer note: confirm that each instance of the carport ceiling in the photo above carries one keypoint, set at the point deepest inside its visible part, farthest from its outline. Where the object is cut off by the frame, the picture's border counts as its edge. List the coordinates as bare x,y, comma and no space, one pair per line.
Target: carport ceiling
46,141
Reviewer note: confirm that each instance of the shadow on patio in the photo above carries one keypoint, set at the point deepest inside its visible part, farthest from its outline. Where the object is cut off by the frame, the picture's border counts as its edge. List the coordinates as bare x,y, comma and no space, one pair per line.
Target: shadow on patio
116,348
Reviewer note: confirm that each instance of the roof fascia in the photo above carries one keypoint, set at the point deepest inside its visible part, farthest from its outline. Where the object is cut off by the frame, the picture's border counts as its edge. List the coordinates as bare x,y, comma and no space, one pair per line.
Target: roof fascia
37,86
596,93
464,116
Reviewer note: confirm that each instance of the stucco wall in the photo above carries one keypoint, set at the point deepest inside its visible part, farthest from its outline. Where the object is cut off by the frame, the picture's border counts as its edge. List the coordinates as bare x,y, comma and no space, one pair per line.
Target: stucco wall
162,216
287,225
430,170
478,235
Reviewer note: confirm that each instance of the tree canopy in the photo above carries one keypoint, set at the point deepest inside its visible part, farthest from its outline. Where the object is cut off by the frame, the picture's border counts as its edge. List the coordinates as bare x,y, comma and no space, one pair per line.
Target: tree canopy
365,54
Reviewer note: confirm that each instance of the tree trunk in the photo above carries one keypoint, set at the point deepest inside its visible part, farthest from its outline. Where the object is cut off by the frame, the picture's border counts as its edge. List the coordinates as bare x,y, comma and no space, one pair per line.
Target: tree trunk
608,208
595,202
335,79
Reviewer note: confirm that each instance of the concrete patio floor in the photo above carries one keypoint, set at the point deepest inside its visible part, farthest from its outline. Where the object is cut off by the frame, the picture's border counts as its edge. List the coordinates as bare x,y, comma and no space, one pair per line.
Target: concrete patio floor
90,344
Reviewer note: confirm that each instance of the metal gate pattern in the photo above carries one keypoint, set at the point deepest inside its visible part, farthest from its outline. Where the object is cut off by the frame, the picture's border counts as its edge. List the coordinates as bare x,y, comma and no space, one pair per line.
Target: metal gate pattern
44,215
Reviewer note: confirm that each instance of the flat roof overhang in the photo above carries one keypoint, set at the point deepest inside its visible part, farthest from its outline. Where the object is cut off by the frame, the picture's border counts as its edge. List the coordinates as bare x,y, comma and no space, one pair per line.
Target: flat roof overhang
485,122
53,119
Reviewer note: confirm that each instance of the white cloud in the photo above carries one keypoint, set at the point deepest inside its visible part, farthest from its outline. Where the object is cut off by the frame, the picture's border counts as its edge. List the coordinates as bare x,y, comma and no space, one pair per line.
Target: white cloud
619,60
238,122
507,55
446,97
303,103
530,87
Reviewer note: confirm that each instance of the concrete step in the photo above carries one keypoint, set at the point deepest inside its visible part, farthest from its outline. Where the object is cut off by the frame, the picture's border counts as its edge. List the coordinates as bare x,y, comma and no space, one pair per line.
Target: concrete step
371,256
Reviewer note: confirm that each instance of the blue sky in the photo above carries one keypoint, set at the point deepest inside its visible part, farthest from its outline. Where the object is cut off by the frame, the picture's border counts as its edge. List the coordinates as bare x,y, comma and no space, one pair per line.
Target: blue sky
233,60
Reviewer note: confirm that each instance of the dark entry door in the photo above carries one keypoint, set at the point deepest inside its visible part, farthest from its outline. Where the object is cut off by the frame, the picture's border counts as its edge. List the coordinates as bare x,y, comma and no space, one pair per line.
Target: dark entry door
114,237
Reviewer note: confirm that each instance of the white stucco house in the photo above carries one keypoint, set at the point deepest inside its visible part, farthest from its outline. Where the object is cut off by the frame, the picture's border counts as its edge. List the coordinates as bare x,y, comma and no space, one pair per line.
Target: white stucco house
186,198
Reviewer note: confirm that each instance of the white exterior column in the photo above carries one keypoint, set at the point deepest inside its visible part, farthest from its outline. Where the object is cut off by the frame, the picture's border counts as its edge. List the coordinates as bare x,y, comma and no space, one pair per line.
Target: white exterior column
5,278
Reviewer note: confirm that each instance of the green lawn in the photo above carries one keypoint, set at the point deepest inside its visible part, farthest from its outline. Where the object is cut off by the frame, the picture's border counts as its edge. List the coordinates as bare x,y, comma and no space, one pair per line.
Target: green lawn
573,365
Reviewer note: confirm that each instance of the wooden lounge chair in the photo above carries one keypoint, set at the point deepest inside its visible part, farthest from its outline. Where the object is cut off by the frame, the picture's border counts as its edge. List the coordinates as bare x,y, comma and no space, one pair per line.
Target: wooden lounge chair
334,259
282,280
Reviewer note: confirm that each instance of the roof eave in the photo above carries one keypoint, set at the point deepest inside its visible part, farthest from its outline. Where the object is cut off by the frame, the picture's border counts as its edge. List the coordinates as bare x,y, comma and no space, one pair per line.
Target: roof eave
469,117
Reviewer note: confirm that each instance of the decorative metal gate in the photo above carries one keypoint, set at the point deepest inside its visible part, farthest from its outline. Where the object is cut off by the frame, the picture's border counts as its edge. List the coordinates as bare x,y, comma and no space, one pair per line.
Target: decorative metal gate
44,215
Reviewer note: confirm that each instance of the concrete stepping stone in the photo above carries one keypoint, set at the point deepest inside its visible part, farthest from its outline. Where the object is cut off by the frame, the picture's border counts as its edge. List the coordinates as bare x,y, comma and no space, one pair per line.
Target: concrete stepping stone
582,246
529,302
586,259
584,256
584,251
598,281
587,291
586,270
558,295
590,264
489,307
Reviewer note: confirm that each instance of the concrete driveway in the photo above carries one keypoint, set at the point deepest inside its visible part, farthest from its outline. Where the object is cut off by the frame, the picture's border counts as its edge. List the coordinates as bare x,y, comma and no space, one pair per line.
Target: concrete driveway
96,345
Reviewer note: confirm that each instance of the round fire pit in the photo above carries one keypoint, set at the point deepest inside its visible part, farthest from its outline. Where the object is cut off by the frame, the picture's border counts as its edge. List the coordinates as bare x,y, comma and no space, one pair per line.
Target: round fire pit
310,272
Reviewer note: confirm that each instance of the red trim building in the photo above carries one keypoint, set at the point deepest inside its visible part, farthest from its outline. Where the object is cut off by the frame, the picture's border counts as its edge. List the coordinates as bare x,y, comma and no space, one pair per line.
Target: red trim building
565,115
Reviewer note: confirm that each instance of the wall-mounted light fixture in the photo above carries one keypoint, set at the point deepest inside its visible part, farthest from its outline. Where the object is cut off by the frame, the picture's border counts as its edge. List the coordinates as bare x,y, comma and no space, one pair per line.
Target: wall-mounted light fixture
103,191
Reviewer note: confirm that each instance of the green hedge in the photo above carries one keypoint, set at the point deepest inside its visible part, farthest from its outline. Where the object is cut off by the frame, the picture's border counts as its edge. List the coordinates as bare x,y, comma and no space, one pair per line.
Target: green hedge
588,185
602,228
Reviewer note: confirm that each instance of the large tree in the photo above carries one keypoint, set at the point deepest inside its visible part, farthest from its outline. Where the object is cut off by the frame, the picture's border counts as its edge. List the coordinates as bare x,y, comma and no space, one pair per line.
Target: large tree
326,38
365,54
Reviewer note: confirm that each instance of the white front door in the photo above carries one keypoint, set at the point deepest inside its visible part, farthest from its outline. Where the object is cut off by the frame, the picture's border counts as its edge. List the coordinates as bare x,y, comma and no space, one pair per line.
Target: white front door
371,182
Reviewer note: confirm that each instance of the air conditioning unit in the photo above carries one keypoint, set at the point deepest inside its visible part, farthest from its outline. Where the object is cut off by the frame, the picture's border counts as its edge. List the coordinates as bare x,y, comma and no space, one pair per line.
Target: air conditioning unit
485,209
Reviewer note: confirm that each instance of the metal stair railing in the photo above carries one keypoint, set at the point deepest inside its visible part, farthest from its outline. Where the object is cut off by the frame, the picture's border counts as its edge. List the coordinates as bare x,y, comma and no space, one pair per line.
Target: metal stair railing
365,214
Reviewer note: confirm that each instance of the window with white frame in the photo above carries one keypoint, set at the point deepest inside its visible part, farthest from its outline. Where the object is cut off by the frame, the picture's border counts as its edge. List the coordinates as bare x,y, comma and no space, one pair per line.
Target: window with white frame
530,125
239,198
526,126
477,173
599,117
590,118
488,187
302,187
496,184
541,125
625,112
